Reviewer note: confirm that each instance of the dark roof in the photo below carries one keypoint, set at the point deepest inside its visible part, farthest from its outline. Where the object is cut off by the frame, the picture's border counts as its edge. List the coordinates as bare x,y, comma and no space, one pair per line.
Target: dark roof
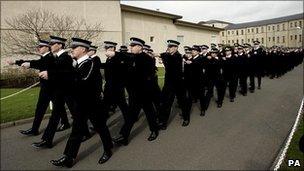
149,12
216,21
265,22
195,25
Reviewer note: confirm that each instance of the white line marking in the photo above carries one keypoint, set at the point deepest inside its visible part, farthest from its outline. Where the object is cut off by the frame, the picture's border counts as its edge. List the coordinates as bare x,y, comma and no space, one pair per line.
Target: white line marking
20,91
283,154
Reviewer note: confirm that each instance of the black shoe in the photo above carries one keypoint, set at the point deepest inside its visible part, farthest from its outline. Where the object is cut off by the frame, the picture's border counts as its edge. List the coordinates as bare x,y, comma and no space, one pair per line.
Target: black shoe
64,161
63,127
251,91
259,87
120,140
162,126
219,105
29,132
153,135
42,144
203,112
232,100
105,157
185,123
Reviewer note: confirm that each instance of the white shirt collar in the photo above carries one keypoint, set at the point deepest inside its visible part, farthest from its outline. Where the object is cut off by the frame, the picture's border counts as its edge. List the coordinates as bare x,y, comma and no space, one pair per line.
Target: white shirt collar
60,52
83,58
93,56
228,56
45,54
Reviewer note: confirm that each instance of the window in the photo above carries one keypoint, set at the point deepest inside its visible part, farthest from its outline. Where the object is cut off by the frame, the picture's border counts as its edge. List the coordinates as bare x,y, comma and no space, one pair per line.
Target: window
269,39
283,26
268,28
295,37
248,30
262,29
232,41
252,30
248,40
300,38
262,40
237,40
283,39
223,41
273,28
273,39
228,32
257,39
180,38
290,37
252,40
223,34
278,39
212,25
232,32
300,23
242,41
228,41
278,27
296,24
290,25
151,39
257,30
242,32
237,32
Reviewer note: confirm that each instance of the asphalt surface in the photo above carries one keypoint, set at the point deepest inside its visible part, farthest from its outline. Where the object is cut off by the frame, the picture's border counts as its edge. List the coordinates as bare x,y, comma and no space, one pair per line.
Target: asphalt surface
243,135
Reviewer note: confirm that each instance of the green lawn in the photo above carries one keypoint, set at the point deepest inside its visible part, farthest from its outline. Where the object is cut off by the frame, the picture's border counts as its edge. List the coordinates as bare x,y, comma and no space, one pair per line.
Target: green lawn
293,151
20,106
161,74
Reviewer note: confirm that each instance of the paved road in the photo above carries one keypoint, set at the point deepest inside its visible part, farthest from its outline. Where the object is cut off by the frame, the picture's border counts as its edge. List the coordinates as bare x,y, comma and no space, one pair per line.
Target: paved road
246,134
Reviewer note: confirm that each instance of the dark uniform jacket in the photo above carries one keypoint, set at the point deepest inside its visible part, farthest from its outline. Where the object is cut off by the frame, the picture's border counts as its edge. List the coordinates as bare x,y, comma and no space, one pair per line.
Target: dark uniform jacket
173,67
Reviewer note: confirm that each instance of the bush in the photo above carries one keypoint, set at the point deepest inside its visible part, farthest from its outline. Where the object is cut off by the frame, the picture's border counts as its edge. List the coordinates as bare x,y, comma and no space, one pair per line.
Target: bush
18,78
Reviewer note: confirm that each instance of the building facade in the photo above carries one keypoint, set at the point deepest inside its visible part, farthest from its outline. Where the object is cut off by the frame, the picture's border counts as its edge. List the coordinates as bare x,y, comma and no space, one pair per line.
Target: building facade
120,22
284,31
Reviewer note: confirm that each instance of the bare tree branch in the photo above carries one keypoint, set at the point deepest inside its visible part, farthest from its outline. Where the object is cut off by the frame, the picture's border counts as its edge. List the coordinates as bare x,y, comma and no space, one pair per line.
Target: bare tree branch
26,29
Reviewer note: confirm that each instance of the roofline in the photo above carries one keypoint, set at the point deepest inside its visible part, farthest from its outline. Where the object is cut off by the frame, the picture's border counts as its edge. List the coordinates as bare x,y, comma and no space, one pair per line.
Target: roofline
149,12
257,25
217,21
195,25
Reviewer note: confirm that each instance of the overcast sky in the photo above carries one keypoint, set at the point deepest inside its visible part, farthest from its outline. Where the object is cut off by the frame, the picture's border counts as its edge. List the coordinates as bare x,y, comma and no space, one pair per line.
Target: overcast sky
230,11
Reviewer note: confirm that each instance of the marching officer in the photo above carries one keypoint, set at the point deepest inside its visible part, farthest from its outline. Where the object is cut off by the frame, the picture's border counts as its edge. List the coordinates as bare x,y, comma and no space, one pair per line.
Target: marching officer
243,68
174,85
114,69
214,74
141,73
204,87
230,75
252,65
45,93
259,55
61,76
87,107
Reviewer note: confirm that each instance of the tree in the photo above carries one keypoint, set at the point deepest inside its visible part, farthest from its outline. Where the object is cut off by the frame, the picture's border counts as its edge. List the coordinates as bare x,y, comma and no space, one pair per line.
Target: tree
26,29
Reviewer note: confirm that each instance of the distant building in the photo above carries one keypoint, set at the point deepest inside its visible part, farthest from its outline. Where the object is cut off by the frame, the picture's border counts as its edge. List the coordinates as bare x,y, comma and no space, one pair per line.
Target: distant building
283,31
